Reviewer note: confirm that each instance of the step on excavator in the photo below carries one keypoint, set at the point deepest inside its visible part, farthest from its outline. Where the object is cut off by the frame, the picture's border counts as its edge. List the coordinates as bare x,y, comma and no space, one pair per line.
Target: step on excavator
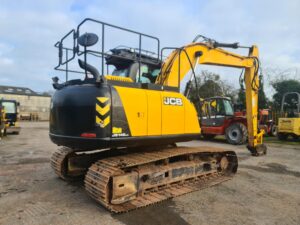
119,130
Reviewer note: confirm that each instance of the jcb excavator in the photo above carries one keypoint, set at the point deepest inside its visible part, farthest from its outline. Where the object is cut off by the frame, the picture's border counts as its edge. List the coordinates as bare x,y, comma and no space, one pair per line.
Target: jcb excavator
119,130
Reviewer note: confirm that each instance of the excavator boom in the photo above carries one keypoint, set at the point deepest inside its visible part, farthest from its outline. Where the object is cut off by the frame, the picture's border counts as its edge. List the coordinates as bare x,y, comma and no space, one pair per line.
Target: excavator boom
182,62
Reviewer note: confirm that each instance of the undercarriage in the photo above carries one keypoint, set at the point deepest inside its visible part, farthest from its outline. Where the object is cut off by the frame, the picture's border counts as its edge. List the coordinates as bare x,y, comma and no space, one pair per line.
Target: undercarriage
125,179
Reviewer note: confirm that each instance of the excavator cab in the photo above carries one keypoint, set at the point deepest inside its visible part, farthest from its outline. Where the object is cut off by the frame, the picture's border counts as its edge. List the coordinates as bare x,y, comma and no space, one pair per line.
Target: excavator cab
129,67
218,118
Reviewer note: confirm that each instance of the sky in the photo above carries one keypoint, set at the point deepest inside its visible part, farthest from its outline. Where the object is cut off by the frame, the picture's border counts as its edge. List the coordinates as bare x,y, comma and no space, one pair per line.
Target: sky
29,29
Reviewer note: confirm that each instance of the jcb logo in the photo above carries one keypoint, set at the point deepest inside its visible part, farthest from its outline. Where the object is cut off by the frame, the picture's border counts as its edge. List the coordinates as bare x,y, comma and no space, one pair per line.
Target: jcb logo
172,101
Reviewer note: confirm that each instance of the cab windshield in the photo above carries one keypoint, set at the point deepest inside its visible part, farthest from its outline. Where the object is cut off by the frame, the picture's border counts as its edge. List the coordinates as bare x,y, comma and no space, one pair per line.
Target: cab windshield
9,107
228,108
148,74
121,72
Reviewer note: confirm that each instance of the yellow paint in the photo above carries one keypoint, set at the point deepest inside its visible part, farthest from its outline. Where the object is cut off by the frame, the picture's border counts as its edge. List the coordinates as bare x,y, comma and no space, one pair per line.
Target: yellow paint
173,116
102,99
210,56
148,115
134,101
117,130
219,57
102,110
154,112
213,103
118,78
103,123
289,125
191,118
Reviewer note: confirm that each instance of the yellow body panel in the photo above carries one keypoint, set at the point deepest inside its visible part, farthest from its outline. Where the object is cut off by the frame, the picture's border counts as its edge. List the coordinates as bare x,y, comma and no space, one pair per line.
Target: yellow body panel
289,125
152,113
172,115
135,105
154,110
191,115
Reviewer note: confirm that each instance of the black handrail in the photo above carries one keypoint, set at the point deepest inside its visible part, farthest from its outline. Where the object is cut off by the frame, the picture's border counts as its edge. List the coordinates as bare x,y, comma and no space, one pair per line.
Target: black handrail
77,51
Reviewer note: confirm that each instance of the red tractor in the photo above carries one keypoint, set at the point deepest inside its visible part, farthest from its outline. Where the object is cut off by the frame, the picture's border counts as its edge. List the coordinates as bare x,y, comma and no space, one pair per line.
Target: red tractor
266,122
218,118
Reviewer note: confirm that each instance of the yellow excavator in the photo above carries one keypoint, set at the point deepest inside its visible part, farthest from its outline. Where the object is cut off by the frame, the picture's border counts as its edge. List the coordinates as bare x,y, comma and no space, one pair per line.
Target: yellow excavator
119,129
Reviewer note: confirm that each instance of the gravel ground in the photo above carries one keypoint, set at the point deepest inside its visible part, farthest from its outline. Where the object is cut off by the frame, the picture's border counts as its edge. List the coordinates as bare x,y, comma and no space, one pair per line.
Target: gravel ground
264,191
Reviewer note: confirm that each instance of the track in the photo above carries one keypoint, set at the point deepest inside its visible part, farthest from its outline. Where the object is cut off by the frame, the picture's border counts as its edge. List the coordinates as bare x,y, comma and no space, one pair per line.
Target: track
59,162
119,184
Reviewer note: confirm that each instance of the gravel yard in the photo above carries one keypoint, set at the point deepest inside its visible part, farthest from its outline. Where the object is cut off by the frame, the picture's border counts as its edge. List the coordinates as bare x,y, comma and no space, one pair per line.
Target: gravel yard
266,190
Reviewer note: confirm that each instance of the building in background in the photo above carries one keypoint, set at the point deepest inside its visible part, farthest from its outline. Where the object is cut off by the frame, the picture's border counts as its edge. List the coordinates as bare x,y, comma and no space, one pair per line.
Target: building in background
33,105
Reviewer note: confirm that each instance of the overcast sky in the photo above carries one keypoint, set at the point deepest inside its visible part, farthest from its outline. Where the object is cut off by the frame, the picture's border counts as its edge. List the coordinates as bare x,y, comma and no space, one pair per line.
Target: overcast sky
29,29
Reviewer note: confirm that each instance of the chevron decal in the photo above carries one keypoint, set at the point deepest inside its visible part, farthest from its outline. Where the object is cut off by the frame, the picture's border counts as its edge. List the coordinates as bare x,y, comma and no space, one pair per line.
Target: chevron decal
102,111
102,99
103,123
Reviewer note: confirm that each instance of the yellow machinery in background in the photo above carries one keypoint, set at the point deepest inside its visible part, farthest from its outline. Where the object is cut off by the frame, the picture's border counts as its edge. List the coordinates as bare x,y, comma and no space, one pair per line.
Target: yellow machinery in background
11,108
2,122
289,120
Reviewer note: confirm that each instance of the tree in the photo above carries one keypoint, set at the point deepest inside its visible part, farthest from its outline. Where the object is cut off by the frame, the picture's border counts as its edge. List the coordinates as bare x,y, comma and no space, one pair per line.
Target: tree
283,86
262,98
241,101
210,85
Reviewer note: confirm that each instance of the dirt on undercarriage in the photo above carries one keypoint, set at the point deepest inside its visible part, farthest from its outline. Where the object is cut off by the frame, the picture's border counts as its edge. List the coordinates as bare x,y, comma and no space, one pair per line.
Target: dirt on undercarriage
264,191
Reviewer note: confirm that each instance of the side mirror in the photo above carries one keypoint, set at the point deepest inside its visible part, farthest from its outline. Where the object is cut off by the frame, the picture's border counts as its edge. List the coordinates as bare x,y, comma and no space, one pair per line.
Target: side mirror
55,80
88,39
55,84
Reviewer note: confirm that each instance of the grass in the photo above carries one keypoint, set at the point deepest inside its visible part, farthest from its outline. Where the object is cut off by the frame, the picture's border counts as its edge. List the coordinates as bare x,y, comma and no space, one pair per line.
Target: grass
289,141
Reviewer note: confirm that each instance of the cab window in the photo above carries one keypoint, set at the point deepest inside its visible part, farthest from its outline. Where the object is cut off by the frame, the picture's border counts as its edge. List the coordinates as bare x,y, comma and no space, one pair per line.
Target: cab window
9,107
213,108
121,72
228,108
142,79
